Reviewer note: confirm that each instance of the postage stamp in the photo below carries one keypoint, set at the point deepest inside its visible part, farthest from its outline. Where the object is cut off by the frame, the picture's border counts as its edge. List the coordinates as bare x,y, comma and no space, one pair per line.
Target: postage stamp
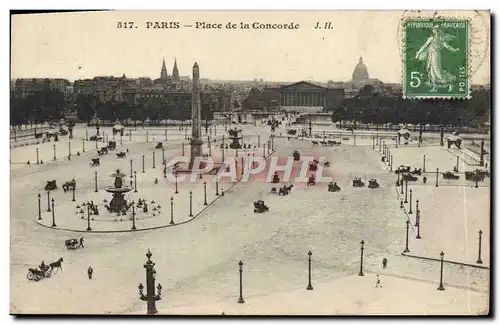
436,62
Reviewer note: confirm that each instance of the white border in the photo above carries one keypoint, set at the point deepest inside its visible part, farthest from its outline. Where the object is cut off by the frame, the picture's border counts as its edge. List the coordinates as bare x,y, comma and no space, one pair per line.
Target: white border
185,4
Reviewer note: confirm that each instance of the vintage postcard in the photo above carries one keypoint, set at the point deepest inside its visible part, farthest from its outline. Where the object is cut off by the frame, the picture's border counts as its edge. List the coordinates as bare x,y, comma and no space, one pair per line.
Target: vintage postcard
250,163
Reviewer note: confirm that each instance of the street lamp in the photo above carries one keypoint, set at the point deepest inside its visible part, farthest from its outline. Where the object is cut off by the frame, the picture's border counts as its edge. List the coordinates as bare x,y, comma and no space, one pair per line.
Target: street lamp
361,264
172,211
182,146
479,261
424,165
131,173
39,207
216,185
88,218
95,181
143,163
54,150
154,160
407,230
135,182
406,191
74,189
437,177
411,192
37,160
83,145
240,299
416,218
163,156
48,201
151,297
441,288
205,189
69,150
263,150
418,225
133,216
190,203
390,164
309,286
53,214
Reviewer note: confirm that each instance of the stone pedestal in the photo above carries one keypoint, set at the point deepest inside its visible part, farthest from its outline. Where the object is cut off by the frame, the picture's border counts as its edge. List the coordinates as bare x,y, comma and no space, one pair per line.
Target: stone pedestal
196,151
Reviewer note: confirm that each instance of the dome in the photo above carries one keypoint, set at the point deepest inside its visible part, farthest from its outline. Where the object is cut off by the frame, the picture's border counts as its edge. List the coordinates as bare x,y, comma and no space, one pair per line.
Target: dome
360,72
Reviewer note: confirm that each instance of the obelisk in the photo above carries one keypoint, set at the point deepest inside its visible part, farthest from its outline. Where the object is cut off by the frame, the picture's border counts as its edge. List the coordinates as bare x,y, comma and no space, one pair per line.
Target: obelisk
196,142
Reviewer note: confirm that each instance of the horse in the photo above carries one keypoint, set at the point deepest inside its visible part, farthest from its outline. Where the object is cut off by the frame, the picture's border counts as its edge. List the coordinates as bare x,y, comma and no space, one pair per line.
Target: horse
54,266
314,143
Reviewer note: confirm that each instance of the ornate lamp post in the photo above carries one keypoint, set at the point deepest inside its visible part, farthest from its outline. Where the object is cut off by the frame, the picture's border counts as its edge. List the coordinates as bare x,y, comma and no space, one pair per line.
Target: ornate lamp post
54,150
216,185
163,156
74,189
133,216
151,297
263,150
361,264
407,230
131,173
83,145
172,211
240,299
190,203
147,136
373,142
441,288
479,261
309,286
39,206
390,164
437,177
154,160
37,160
205,189
95,181
182,146
53,214
143,163
424,165
258,140
411,192
88,218
166,127
48,201
418,225
406,191
176,189
69,150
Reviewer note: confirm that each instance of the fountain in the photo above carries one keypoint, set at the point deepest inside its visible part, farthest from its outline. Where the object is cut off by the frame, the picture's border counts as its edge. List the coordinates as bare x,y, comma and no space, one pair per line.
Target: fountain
118,203
235,137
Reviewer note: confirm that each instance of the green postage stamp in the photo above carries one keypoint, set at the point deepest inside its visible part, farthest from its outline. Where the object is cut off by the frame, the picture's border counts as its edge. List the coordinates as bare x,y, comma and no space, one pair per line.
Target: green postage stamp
436,58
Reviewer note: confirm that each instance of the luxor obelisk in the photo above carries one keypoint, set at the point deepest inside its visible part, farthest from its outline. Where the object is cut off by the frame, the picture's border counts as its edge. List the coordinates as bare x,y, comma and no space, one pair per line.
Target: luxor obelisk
196,142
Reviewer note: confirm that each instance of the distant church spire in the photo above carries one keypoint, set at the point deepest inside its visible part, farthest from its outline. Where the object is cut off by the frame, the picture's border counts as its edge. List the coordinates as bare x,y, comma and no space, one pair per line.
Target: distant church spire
163,74
175,71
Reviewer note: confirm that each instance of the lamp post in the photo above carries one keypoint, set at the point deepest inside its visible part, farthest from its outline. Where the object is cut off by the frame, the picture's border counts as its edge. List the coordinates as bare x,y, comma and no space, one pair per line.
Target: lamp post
205,189
416,218
154,160
172,211
131,173
407,230
69,150
87,135
176,191
48,201
95,181
163,156
457,164
309,286
406,191
390,164
190,203
240,299
143,158
411,192
83,145
147,136
37,158
216,185
424,165
182,144
263,150
166,127
39,206
74,189
53,214
88,218
151,296
54,150
441,288
479,261
133,216
258,140
418,225
373,142
135,182
361,264
437,177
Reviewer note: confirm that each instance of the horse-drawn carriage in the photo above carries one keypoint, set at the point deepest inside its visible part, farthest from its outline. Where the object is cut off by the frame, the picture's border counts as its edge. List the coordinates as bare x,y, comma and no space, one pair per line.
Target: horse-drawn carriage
102,151
69,185
51,185
372,183
357,182
36,274
408,177
450,175
260,207
478,175
285,190
276,178
159,145
332,143
333,187
95,162
111,145
121,154
311,181
296,155
416,171
292,132
402,169
95,138
72,243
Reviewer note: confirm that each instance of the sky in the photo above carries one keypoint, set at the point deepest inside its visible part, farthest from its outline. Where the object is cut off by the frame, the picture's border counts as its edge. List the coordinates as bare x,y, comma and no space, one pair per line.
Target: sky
84,45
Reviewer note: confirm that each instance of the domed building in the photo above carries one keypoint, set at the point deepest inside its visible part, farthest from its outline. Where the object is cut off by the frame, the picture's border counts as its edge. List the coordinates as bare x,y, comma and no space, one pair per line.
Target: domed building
360,73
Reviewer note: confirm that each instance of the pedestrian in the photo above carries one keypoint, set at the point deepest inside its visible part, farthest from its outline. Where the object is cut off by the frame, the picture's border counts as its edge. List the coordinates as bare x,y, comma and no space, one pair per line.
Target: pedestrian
378,284
90,271
384,263
81,242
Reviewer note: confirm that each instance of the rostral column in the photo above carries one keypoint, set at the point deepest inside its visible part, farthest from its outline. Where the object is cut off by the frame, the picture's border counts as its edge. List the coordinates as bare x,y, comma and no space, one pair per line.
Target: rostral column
196,142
